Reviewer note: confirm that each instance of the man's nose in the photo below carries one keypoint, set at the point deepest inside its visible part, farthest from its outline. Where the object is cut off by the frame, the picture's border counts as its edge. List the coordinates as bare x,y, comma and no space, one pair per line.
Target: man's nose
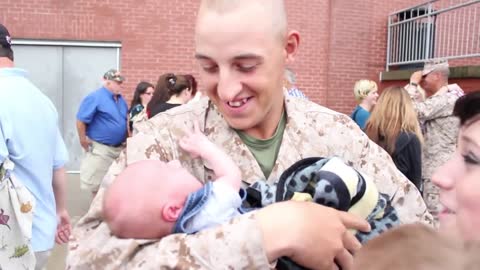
229,86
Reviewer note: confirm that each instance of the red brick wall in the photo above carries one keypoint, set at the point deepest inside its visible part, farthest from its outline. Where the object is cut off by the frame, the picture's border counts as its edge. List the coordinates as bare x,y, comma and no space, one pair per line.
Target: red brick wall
342,41
156,36
357,47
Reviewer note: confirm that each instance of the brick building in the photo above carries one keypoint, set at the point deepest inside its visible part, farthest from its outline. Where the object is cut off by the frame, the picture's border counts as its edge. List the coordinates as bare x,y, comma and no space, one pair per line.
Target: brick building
342,41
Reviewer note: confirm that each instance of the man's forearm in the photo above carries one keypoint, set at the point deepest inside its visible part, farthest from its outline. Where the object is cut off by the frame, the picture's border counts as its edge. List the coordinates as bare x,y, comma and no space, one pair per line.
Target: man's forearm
214,248
82,130
59,188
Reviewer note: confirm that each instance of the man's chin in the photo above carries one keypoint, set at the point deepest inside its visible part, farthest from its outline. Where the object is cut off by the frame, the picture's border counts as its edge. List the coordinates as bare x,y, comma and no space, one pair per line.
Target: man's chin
239,124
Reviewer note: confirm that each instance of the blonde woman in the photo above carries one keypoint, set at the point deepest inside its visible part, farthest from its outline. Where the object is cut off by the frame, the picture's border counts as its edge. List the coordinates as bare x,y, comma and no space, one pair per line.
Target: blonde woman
394,126
366,94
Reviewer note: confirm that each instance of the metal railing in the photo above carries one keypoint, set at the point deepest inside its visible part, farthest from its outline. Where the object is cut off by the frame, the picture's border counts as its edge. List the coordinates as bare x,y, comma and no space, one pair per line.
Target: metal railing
421,33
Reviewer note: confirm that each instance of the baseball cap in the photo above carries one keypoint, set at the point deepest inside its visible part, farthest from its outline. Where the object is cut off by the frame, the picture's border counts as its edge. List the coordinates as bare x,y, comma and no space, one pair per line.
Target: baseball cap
5,39
113,75
430,66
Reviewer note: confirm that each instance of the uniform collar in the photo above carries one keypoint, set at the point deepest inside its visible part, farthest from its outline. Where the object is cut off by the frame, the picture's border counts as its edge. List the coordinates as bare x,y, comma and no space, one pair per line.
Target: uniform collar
218,131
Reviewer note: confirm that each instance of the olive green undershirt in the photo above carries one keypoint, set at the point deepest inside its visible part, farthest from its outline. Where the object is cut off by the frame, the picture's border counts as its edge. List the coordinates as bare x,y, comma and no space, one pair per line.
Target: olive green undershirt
265,151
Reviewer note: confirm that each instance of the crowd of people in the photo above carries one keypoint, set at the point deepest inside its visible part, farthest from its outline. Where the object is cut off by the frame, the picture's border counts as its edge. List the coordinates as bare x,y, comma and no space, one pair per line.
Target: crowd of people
419,133
252,175
104,120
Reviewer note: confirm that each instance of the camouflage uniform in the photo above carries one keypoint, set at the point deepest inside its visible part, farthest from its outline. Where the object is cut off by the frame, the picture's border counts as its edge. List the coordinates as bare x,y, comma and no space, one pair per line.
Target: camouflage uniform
440,132
311,131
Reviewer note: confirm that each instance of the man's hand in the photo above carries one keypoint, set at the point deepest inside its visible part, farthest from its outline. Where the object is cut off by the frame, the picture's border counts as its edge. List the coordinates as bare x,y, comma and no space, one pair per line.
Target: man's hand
416,77
85,142
63,228
313,236
196,143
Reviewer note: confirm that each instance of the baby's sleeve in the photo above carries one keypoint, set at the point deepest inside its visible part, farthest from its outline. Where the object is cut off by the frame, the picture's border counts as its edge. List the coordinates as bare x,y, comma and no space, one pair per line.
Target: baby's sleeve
222,205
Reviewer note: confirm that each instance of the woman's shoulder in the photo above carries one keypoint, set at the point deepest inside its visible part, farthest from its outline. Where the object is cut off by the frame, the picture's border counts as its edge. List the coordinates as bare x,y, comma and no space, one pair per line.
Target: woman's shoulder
360,112
136,108
407,136
405,139
187,111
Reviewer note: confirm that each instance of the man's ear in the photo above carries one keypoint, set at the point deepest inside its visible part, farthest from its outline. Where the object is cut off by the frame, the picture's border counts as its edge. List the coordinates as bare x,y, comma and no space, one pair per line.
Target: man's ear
291,46
171,212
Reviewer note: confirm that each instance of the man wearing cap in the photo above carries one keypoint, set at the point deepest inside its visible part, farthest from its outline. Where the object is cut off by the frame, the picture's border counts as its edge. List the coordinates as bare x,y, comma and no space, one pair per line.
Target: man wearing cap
31,140
440,126
102,129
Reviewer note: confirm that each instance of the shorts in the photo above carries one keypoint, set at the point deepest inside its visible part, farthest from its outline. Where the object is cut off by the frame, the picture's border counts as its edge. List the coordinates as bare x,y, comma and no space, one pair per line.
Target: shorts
95,165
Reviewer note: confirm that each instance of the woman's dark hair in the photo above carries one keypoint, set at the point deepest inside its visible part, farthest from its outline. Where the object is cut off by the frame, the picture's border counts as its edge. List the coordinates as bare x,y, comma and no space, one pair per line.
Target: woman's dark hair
168,85
192,82
140,90
467,107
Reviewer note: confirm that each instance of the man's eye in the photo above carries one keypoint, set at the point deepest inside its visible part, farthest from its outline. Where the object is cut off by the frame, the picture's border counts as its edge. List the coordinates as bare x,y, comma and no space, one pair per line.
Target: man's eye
210,69
246,68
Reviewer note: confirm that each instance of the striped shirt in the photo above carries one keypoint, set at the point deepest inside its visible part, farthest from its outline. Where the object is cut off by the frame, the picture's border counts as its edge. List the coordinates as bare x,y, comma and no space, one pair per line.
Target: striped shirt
295,92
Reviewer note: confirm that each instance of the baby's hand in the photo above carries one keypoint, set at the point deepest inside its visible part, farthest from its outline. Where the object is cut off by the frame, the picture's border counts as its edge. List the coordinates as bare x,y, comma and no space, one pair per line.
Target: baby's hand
196,143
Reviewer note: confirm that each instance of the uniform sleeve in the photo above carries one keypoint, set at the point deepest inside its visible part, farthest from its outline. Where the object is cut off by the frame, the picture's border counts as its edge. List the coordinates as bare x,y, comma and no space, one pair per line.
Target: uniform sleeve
235,245
87,109
369,158
61,153
433,107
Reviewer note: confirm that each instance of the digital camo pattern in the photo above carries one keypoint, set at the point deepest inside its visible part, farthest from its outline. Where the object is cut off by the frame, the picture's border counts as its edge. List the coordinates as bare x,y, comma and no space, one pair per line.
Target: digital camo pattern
311,131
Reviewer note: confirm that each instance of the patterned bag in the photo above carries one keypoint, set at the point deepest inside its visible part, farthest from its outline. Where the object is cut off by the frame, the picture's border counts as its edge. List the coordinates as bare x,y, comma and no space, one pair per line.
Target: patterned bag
16,216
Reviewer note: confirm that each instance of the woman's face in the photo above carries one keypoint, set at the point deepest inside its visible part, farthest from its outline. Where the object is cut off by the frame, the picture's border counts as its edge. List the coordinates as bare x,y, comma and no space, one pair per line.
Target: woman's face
459,183
145,97
372,97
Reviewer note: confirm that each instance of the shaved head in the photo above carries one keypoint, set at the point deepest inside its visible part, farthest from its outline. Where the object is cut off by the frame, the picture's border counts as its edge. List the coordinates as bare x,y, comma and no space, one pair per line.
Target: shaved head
242,48
133,204
272,9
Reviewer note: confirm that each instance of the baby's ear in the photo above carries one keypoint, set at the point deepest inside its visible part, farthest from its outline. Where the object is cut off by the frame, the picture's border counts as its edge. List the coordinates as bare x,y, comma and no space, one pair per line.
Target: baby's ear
171,212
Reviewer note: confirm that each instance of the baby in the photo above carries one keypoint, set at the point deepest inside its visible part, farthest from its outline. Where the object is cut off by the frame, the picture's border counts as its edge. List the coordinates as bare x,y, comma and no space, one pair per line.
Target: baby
151,199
